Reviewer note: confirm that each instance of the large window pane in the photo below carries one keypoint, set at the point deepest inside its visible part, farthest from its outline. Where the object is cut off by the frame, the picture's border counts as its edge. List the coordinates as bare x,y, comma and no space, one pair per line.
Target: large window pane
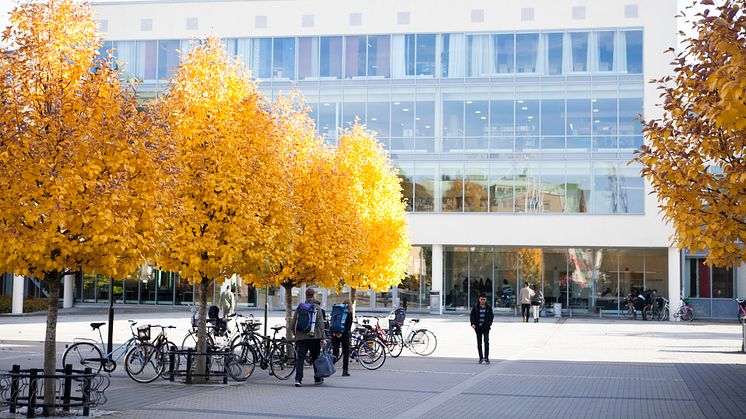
424,186
633,48
631,190
527,52
501,187
555,276
378,56
425,55
261,62
451,186
475,187
425,119
527,188
607,281
453,57
631,272
283,58
168,58
476,118
527,117
501,118
605,188
456,277
504,46
578,51
578,117
402,119
552,190
578,185
722,283
353,111
329,118
480,274
406,172
605,52
629,112
480,62
453,118
604,116
149,61
553,117
308,58
355,56
378,117
656,271
414,290
554,43
331,57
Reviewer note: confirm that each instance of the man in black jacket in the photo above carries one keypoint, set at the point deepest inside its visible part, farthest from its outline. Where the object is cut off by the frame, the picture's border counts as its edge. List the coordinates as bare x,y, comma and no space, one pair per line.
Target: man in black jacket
481,320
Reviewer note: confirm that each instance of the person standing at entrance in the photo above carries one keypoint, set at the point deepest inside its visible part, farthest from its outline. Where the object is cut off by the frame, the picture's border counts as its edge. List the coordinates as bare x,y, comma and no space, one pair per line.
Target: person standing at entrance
526,294
536,300
481,321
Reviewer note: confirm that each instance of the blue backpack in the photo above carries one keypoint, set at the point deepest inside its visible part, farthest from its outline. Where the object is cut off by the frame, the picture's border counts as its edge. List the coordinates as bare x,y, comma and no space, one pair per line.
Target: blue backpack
339,318
306,318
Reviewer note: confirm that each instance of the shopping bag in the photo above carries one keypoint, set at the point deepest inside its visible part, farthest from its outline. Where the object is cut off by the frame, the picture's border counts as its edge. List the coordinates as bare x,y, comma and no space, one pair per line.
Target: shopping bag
324,365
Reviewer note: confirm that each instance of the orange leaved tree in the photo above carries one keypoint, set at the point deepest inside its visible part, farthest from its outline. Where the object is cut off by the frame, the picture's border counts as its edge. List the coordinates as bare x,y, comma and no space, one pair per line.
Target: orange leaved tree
229,195
379,210
694,156
81,166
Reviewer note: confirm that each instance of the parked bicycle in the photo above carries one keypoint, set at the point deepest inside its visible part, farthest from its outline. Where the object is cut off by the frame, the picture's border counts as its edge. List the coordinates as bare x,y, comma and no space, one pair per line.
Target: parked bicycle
276,353
741,310
420,341
365,348
143,362
685,312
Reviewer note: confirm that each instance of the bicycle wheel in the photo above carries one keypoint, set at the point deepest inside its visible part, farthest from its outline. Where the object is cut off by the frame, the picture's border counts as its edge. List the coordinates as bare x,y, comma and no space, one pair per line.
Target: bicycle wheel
423,342
144,363
394,345
282,360
647,313
243,362
190,341
371,354
687,314
165,348
84,355
664,314
628,313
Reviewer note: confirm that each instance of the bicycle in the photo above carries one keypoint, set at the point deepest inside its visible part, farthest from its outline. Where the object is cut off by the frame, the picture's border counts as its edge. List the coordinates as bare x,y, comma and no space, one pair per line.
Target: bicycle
277,354
142,361
165,346
684,311
420,341
657,310
741,310
365,348
389,340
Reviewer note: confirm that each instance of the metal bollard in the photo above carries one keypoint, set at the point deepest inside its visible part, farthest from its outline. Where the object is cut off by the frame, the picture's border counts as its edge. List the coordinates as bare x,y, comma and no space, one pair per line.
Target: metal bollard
14,388
189,366
32,388
171,362
67,387
743,335
87,392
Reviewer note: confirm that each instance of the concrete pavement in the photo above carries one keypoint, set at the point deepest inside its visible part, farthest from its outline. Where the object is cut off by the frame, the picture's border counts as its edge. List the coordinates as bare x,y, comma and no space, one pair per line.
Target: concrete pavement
570,368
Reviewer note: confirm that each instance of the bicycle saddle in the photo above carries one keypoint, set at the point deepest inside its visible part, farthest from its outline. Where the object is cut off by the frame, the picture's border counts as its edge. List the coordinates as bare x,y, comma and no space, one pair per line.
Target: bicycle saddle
95,326
277,328
415,320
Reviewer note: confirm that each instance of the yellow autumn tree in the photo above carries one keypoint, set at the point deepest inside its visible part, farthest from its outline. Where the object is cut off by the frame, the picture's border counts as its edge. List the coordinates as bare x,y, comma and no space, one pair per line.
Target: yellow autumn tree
324,230
694,156
81,164
229,198
380,212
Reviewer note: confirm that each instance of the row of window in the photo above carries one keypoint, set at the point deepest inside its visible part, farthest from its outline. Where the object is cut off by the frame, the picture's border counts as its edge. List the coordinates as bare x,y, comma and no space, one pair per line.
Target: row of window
599,187
451,55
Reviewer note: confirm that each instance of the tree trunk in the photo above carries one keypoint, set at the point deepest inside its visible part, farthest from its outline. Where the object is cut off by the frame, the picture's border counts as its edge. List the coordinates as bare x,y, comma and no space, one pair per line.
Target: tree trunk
201,361
50,342
353,304
288,309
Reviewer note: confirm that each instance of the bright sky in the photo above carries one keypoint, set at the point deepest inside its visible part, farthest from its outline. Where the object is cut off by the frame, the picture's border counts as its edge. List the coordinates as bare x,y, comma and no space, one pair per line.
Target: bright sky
7,5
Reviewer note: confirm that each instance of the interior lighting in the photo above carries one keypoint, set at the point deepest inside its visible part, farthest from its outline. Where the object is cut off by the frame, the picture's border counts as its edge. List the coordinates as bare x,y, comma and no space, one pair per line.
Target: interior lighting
520,101
483,117
326,104
468,102
427,126
374,119
396,103
405,110
525,108
477,112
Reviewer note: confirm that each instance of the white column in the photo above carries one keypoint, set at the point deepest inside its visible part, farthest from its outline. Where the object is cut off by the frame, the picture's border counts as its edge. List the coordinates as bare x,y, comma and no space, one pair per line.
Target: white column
17,305
67,298
674,279
438,272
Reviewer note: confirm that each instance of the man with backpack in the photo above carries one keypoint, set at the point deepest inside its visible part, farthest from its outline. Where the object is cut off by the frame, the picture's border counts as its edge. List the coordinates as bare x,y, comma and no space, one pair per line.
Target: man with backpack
308,330
340,326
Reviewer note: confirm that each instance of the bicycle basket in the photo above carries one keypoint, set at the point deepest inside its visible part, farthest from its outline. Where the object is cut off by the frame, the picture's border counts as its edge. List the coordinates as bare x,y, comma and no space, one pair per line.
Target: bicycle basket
250,326
394,326
143,333
687,301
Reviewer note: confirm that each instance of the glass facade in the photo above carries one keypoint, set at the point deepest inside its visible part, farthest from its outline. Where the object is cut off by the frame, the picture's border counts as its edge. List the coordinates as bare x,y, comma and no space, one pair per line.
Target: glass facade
583,280
710,288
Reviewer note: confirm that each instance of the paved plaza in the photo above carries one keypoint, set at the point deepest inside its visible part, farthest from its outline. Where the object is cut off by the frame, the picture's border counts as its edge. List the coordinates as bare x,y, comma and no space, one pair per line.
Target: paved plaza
568,368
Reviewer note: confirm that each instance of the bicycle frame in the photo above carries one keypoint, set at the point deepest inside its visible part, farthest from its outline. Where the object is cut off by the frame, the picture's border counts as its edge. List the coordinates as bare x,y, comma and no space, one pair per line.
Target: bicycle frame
120,350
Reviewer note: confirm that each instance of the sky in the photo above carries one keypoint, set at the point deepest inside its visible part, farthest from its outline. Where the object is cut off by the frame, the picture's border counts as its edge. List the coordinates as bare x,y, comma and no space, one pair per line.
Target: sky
7,5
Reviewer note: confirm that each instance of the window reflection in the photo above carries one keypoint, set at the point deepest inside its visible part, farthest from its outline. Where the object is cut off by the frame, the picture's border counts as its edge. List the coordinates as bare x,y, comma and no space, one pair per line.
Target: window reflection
504,44
501,187
633,49
355,56
605,42
378,56
330,65
554,43
578,51
452,187
424,186
283,58
308,58
475,187
527,52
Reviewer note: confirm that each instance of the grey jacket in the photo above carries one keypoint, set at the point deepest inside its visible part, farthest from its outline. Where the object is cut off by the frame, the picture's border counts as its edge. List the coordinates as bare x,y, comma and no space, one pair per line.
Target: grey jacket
318,331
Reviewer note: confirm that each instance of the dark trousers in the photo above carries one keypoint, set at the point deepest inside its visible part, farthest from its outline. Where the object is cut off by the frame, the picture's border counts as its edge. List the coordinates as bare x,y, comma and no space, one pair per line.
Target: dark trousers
483,334
301,348
525,310
344,339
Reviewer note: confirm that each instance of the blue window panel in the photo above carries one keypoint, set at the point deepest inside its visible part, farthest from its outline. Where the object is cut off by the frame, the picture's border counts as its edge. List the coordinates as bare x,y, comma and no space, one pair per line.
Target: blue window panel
631,190
553,117
633,47
261,62
605,188
424,145
168,58
502,118
629,111
308,58
328,119
628,144
526,117
378,118
355,56
402,119
424,119
330,65
578,117
605,42
527,52
578,145
578,51
353,111
554,43
480,62
453,118
150,60
604,116
379,58
477,114
452,56
283,58
409,54
504,47
425,55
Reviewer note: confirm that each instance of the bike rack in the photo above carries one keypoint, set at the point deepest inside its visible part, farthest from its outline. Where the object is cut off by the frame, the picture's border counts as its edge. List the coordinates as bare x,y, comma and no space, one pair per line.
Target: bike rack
190,356
23,388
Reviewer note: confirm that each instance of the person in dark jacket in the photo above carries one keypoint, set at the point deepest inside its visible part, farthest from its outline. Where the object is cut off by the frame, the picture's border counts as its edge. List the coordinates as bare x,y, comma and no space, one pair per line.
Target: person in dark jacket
481,321
308,342
344,340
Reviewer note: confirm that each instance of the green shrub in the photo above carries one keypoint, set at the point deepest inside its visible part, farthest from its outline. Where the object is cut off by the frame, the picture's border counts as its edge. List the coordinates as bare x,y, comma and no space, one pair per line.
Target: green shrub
30,305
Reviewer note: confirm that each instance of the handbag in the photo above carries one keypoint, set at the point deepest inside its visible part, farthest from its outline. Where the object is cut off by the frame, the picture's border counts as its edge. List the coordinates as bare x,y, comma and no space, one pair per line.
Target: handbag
323,366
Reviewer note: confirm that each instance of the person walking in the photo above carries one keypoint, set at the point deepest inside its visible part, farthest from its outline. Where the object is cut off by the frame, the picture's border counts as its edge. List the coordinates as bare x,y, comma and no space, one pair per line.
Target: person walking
307,326
481,321
343,339
536,300
526,294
